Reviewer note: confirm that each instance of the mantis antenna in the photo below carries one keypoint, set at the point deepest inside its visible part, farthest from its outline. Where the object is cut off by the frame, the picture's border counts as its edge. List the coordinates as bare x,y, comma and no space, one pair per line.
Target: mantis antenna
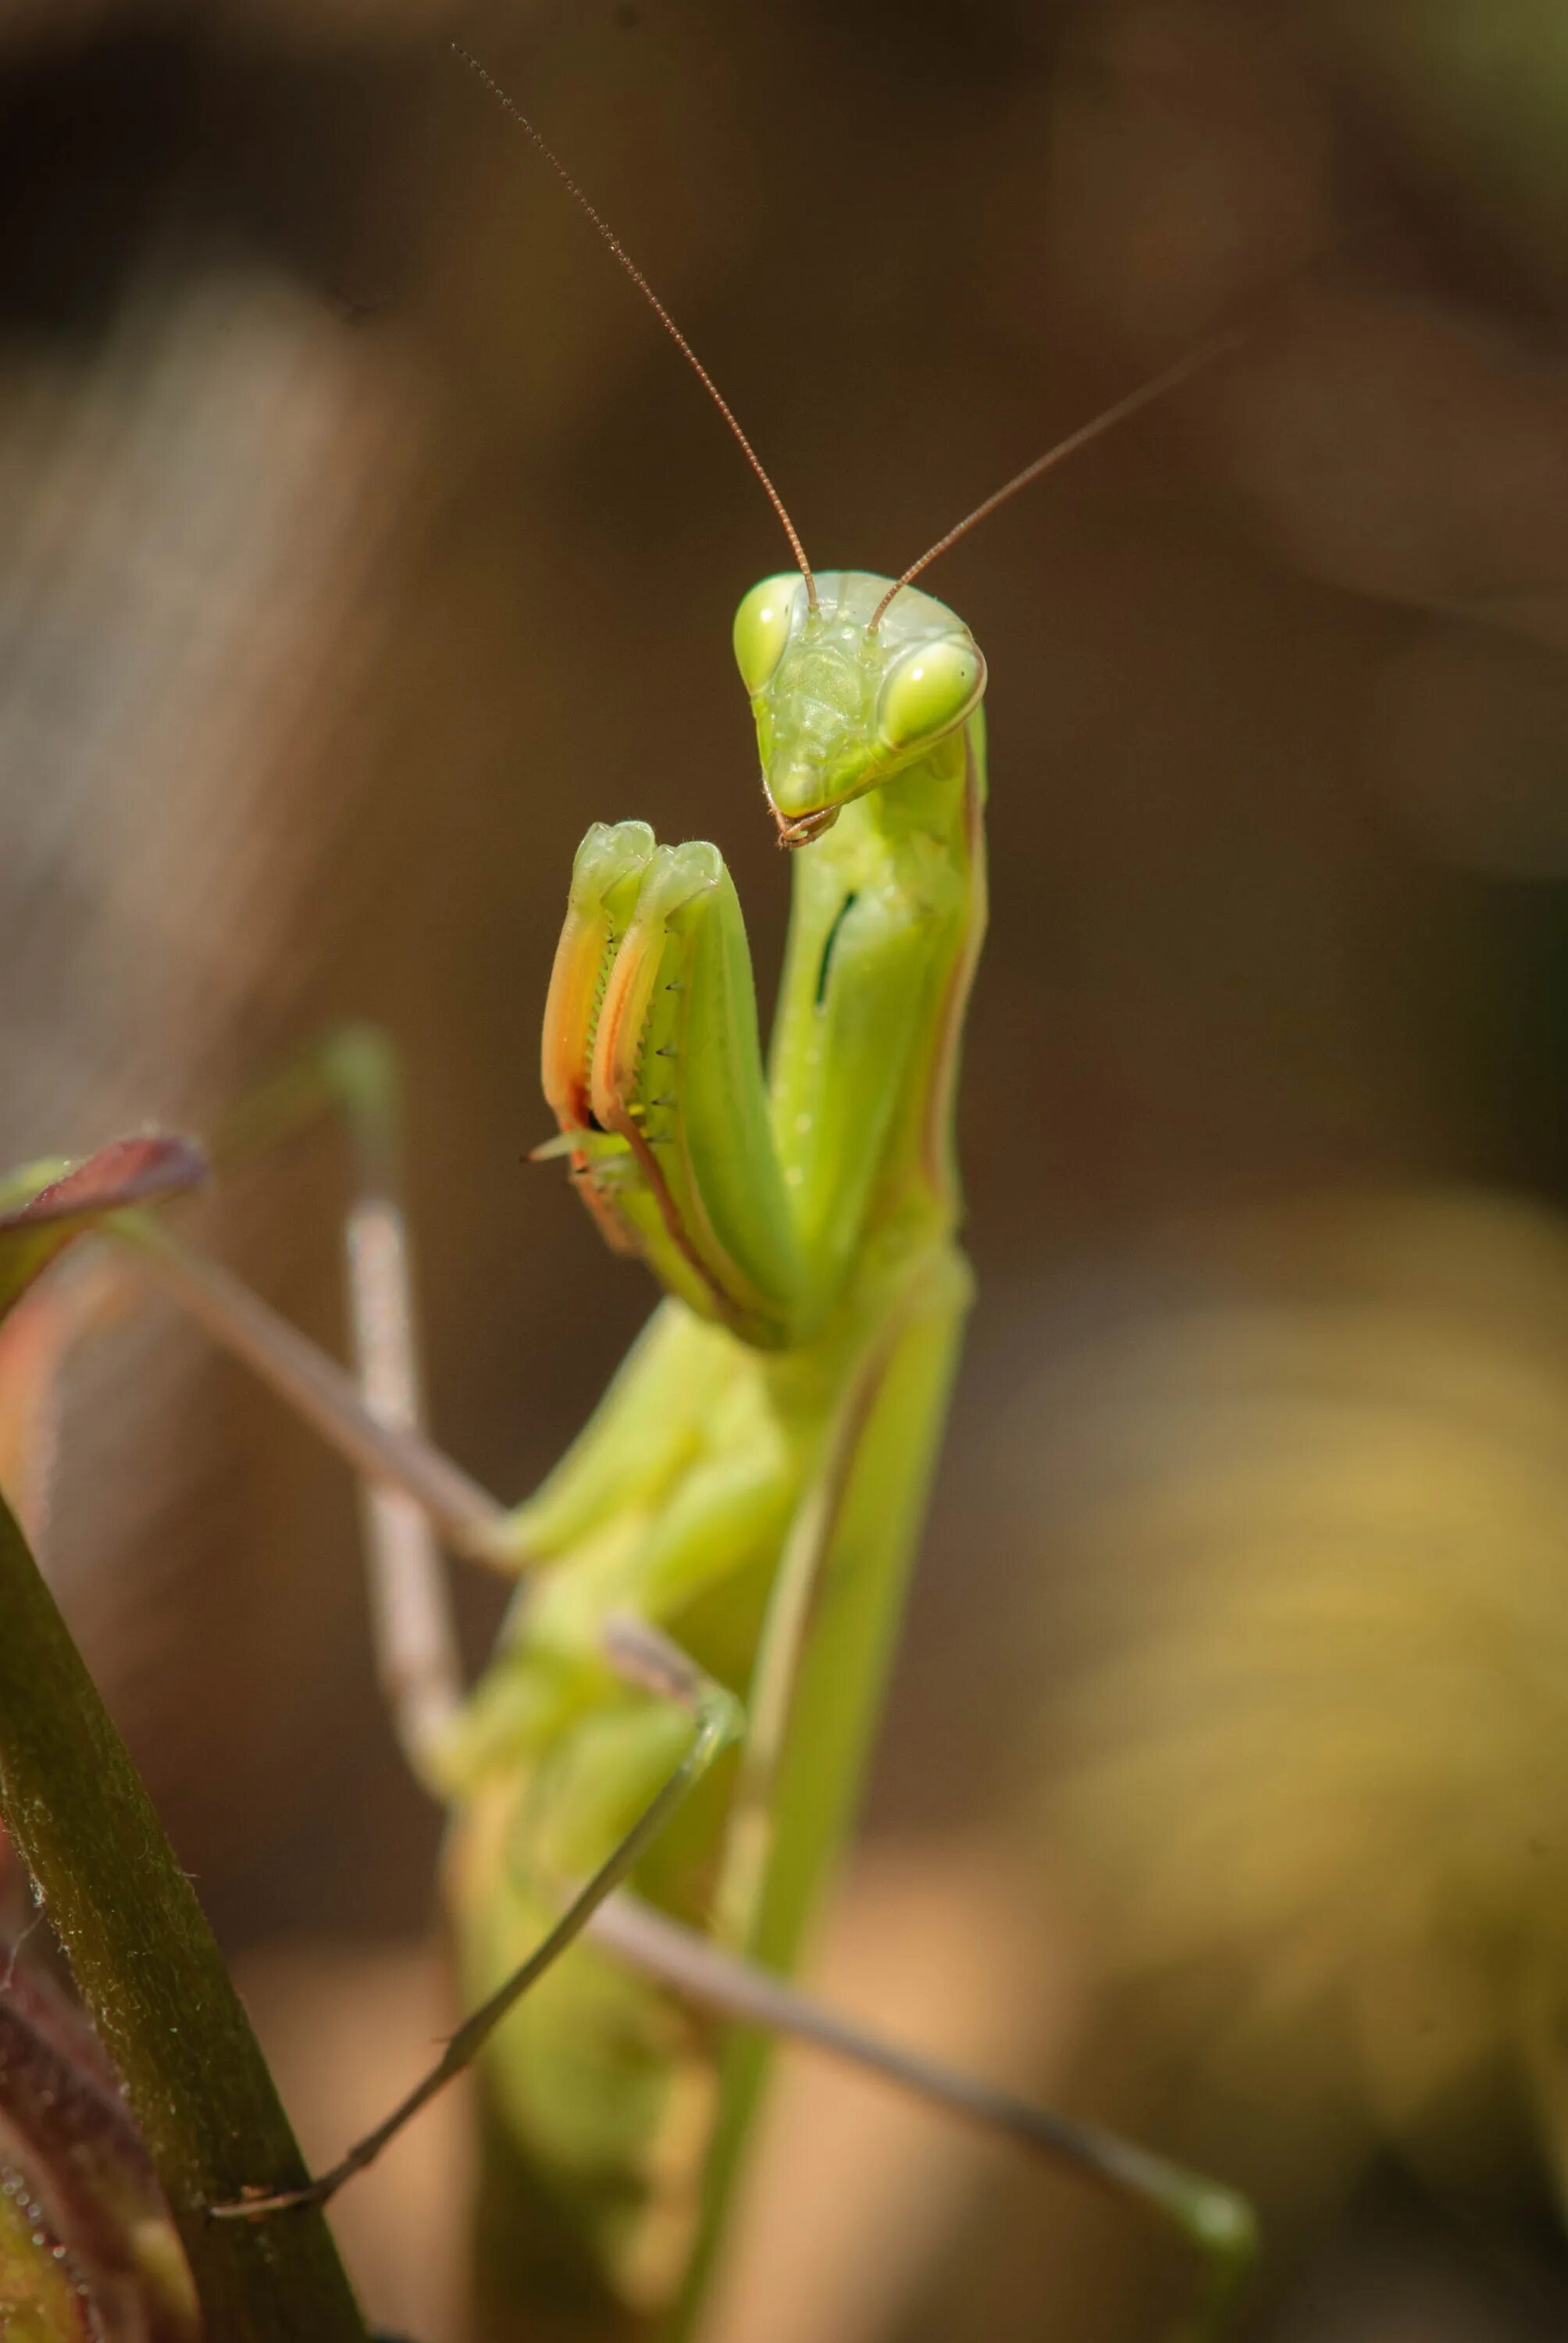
1188,363
510,105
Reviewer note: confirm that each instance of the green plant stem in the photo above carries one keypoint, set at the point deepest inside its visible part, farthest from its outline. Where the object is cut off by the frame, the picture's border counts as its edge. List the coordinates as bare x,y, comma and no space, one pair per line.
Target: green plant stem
146,1964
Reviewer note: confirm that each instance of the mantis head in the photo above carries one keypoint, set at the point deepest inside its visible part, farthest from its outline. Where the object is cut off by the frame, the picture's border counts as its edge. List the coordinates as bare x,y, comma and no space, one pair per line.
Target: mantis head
849,689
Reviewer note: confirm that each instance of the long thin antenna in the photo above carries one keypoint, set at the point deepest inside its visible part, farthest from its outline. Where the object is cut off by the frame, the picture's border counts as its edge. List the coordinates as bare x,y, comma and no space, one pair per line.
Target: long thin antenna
510,105
1155,387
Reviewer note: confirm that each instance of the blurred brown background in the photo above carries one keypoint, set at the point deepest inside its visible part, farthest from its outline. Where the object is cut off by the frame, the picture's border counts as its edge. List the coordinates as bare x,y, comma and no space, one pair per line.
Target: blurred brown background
363,540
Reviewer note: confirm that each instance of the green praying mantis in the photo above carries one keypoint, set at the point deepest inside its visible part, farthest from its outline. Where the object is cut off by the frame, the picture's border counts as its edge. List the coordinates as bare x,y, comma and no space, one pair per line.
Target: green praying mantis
709,1584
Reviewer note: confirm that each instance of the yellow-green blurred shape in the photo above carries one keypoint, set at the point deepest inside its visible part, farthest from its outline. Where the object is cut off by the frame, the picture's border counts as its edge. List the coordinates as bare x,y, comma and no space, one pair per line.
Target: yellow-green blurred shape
1321,1750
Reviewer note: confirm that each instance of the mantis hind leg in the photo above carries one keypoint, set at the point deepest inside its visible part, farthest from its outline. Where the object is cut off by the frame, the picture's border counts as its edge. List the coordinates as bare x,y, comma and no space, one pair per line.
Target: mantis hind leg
641,1657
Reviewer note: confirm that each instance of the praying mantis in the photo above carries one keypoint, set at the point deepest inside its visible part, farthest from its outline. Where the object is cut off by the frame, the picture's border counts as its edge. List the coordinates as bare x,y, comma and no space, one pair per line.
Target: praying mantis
709,1582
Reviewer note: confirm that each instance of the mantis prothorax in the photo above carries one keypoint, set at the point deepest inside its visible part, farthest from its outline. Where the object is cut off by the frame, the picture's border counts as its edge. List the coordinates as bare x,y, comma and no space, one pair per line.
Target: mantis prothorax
712,1577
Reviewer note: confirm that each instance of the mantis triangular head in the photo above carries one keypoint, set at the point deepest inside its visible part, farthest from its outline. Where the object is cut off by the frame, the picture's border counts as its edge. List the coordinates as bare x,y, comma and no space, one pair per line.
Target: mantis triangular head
848,688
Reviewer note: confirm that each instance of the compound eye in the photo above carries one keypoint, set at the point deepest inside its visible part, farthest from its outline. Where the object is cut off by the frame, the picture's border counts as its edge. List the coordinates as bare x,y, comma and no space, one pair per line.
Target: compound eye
762,626
931,688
